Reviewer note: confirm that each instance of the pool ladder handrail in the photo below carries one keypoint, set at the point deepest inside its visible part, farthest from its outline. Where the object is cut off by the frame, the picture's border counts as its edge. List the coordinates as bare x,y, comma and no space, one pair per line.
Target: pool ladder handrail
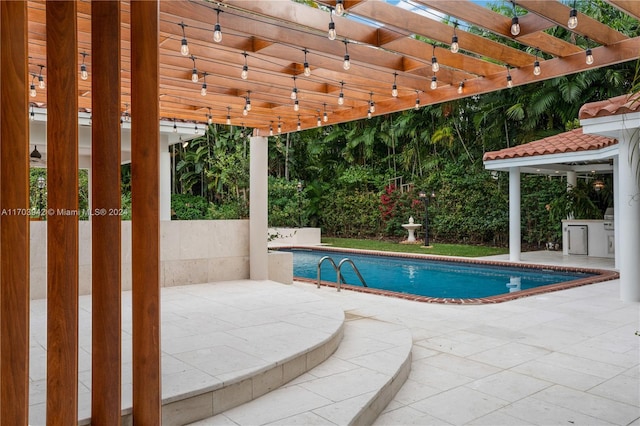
338,269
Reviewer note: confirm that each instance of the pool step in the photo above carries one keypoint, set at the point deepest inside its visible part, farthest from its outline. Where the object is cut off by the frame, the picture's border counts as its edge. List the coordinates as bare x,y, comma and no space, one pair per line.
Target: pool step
352,386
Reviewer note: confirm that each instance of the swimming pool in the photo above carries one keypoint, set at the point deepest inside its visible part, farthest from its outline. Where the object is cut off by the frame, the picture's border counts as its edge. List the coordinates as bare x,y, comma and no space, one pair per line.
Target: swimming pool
440,279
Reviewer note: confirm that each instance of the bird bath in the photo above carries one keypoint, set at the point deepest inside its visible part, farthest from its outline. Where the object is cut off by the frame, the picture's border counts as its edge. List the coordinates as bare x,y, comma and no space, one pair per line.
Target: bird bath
411,227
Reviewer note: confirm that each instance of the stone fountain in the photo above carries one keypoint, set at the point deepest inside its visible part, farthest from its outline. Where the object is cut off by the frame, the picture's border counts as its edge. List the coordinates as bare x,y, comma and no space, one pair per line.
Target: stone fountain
411,227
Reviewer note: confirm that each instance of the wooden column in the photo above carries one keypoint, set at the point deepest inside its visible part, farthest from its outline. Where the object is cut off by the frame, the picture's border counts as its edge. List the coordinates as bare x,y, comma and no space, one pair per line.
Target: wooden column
106,308
62,219
145,214
14,221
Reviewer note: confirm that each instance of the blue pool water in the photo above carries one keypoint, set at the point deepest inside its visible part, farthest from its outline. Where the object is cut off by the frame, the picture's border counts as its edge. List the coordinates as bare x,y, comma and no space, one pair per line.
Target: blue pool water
426,277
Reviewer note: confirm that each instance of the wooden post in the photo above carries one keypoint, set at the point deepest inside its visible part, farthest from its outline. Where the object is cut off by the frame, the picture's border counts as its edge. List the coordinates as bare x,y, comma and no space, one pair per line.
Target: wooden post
14,221
145,215
106,360
62,219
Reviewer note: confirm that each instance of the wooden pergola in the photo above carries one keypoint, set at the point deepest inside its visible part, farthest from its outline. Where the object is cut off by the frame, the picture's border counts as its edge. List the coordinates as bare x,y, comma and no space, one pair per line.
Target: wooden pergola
131,52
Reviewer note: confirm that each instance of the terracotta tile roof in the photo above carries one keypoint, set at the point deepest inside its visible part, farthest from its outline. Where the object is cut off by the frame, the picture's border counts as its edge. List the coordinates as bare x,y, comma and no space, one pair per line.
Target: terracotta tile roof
571,141
619,105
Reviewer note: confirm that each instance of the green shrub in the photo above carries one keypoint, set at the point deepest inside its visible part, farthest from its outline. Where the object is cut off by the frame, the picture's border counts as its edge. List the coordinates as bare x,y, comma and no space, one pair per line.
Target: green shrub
189,207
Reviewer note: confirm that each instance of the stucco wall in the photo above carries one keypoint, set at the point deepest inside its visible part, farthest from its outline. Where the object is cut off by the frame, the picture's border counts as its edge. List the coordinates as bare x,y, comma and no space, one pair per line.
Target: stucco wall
191,252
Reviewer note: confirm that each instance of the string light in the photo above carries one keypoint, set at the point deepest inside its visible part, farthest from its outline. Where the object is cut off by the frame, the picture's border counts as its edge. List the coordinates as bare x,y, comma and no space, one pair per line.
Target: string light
175,127
536,65
32,114
572,23
341,96
209,117
203,91
325,117
245,68
346,64
339,7
195,131
394,88
228,116
294,91
461,88
296,105
372,105
435,66
279,125
319,119
184,46
589,56
271,129
515,24
434,83
417,105
194,72
84,74
332,28
248,101
32,88
509,79
307,70
217,32
298,126
41,78
455,47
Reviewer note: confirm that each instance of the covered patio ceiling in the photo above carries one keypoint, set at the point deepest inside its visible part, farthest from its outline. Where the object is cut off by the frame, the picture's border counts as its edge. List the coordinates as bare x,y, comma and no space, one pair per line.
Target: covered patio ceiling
388,42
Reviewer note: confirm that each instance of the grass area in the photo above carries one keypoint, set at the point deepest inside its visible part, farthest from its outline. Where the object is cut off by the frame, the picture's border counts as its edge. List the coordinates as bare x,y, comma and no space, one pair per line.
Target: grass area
439,249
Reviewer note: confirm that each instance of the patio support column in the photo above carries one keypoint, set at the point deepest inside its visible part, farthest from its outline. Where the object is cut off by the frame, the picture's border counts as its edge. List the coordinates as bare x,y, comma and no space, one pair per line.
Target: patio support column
258,207
572,179
514,214
62,221
14,228
106,353
145,211
628,210
616,216
165,178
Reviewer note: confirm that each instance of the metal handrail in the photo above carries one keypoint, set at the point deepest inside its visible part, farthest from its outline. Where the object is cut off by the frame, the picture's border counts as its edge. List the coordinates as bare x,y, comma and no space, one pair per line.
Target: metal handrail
338,269
335,267
355,268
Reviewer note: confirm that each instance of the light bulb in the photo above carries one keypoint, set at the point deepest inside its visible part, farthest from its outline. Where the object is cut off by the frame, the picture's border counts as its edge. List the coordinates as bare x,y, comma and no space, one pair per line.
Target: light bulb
509,81
515,26
536,68
32,115
417,105
270,130
347,63
175,128
434,83
245,111
332,31
298,127
319,122
83,72
203,91
341,99
41,82
307,70
279,128
32,91
194,75
325,117
394,91
372,107
184,48
196,130
435,66
228,119
210,119
573,19
369,114
294,94
455,47
589,58
296,105
339,7
461,88
217,33
248,105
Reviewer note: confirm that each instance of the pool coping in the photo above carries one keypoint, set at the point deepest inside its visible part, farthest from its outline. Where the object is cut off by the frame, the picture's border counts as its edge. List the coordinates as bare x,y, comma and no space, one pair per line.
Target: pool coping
601,275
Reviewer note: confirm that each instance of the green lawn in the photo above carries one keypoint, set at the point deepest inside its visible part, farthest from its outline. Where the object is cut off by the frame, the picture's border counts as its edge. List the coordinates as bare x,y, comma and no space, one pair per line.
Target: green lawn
439,249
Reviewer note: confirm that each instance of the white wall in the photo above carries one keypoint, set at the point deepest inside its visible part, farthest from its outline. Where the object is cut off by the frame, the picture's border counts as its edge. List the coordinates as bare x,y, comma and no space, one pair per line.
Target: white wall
191,252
